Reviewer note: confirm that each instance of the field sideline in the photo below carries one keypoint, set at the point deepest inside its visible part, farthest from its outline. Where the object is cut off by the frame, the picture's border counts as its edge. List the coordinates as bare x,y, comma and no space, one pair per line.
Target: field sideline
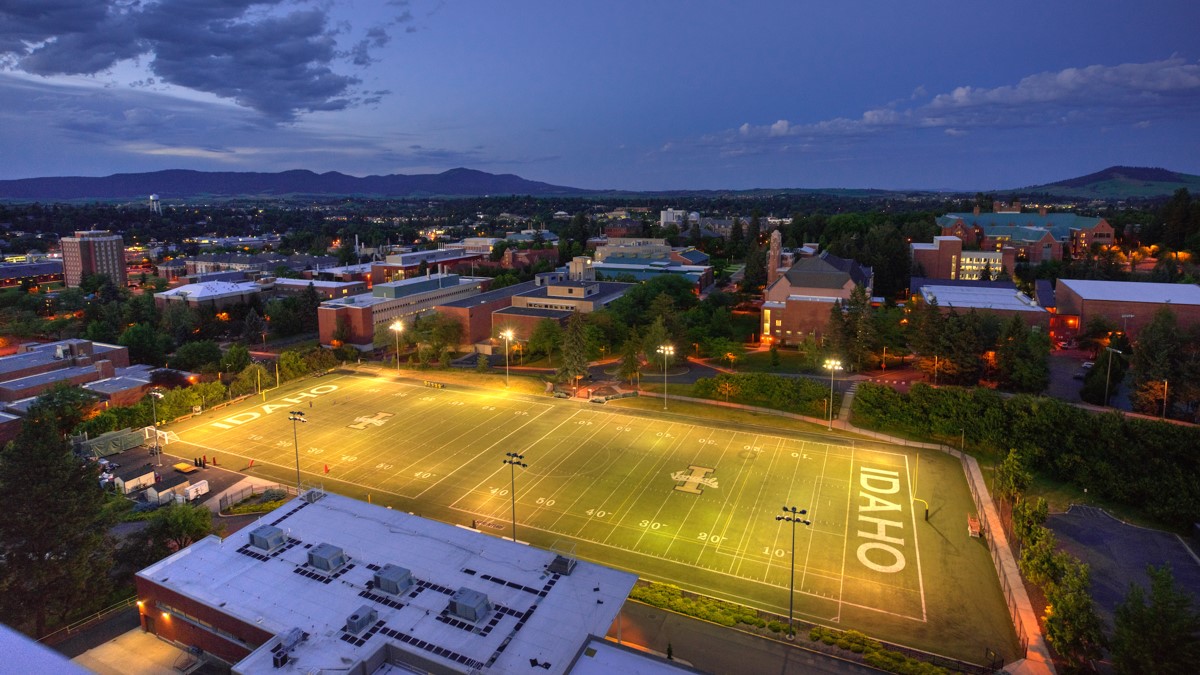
671,498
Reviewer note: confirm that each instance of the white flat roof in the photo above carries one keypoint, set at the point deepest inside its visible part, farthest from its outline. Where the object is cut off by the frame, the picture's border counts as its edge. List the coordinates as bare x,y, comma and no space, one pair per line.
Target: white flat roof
316,283
210,289
966,297
1133,291
535,614
601,657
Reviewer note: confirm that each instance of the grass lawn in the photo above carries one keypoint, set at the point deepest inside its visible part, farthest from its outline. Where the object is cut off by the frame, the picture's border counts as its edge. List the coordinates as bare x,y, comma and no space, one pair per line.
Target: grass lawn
789,362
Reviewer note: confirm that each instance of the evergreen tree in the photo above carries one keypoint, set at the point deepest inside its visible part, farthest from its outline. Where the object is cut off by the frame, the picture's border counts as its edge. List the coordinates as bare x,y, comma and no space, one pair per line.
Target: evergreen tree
310,301
254,329
54,544
753,232
737,236
574,350
547,338
754,276
1160,637
1157,358
631,362
1073,627
656,336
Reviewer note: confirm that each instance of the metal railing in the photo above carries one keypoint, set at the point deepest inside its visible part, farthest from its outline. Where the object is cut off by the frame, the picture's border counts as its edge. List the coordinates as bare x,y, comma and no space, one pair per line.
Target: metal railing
87,621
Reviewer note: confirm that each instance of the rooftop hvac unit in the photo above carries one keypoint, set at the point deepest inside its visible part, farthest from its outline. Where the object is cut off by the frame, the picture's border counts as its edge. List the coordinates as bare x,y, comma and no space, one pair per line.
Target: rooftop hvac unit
393,579
267,538
470,604
326,557
562,565
361,618
290,639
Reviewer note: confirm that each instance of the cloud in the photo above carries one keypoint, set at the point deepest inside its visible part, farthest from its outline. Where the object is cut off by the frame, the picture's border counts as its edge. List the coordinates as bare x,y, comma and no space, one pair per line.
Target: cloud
277,57
1097,95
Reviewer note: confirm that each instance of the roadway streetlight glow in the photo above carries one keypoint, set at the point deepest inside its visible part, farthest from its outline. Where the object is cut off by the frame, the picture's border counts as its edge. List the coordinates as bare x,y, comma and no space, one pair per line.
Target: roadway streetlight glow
513,460
156,394
793,516
296,416
667,352
397,328
507,335
833,365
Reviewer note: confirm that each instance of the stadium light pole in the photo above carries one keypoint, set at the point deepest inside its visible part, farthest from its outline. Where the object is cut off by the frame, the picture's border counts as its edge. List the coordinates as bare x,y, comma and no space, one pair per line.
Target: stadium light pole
156,394
397,328
1125,324
667,352
793,516
833,365
1108,374
513,460
296,416
507,335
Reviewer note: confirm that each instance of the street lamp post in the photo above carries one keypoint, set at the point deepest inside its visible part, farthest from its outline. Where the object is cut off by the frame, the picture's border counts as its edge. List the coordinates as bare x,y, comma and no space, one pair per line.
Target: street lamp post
513,460
156,394
1165,391
1108,374
296,416
397,328
667,352
507,335
793,516
833,365
1125,324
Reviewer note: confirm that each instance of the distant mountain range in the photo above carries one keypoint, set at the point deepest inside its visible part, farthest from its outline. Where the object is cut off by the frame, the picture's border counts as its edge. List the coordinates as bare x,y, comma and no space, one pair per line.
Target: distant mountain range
1118,182
1113,183
184,184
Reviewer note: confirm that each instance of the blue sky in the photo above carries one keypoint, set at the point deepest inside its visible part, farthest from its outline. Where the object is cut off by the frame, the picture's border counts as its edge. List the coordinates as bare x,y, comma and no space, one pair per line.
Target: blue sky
626,95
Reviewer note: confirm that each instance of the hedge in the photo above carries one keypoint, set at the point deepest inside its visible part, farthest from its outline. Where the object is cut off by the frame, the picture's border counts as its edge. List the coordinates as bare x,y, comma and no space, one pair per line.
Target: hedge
792,394
1146,464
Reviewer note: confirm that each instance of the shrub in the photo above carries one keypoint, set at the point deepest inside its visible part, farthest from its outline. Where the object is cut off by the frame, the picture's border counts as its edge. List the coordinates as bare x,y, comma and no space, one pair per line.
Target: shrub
274,495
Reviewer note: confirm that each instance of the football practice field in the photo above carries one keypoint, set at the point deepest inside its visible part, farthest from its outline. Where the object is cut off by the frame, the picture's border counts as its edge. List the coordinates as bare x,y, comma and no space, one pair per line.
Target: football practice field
672,498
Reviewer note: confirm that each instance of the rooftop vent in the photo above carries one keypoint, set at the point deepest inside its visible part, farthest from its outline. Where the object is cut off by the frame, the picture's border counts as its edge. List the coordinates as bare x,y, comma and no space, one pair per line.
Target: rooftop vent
326,557
470,604
361,618
267,538
562,565
393,579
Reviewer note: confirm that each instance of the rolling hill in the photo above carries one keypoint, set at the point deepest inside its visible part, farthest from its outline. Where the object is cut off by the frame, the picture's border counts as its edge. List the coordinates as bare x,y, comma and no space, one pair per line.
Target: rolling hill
1119,182
185,184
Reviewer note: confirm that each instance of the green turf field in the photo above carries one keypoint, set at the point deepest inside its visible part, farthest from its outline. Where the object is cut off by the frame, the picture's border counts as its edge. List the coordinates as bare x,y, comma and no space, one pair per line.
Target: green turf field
672,498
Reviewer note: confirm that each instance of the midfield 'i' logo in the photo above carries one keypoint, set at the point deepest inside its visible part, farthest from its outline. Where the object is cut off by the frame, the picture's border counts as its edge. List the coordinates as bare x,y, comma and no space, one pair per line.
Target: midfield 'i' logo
692,479
377,419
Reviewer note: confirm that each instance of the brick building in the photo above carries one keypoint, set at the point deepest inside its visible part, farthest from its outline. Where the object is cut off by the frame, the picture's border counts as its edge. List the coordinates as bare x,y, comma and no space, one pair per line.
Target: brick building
1037,237
798,303
93,252
329,584
946,259
362,316
1128,305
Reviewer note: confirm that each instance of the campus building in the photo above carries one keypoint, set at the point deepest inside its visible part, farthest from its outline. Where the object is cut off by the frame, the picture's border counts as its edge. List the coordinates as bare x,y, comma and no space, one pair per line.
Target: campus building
1126,305
1036,237
946,259
418,263
330,584
36,273
93,252
212,295
354,320
797,303
996,298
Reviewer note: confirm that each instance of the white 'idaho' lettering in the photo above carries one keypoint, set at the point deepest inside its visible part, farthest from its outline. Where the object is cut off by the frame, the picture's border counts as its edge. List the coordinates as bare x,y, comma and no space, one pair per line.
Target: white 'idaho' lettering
890,559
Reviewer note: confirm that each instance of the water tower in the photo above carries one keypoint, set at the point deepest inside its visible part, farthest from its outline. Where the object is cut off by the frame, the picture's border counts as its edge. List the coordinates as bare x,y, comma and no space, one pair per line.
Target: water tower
155,205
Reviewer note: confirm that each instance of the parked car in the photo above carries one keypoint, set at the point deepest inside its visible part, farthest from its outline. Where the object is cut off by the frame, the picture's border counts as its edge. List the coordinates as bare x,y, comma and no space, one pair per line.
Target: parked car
1088,364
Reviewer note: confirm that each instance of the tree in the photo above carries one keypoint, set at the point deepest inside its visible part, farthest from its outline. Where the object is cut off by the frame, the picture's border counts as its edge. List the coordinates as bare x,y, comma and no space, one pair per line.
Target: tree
236,358
250,380
727,388
54,544
210,393
292,365
196,355
482,364
145,344
1072,626
310,302
754,276
574,350
1157,358
178,526
179,321
656,336
1160,637
631,363
254,329
547,337
1021,358
1012,478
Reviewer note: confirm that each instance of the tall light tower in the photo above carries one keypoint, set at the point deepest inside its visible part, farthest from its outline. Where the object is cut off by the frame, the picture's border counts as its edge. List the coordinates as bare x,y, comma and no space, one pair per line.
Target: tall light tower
508,336
793,516
513,460
296,416
397,328
156,394
667,352
833,365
